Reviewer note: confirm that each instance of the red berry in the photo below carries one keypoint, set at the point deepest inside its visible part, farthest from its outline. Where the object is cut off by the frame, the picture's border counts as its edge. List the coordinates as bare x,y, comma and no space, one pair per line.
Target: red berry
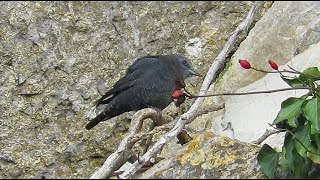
244,63
176,94
273,65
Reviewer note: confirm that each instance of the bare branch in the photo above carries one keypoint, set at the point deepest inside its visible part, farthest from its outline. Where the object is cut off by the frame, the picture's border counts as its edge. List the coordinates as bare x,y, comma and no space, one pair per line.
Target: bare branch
266,135
124,152
192,112
255,92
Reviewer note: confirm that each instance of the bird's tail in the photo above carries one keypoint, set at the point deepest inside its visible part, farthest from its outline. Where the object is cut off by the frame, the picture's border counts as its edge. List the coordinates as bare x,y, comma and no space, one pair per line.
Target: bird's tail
100,117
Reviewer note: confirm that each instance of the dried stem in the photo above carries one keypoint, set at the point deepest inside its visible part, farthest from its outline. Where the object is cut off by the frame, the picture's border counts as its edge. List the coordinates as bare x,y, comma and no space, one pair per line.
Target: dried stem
278,71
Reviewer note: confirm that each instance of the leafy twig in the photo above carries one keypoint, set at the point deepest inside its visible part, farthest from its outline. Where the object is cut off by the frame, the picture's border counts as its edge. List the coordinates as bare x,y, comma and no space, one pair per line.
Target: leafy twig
294,136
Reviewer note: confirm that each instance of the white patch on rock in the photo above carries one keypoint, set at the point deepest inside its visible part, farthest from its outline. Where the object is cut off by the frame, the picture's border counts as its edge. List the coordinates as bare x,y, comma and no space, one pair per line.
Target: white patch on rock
250,115
194,46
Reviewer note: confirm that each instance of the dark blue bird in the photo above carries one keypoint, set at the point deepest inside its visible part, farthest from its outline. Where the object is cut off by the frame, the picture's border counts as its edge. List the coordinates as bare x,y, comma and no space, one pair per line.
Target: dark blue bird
148,82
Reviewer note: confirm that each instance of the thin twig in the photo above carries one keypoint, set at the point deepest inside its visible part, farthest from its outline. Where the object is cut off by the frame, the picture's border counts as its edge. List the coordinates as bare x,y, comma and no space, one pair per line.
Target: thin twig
298,72
266,135
192,112
278,71
247,93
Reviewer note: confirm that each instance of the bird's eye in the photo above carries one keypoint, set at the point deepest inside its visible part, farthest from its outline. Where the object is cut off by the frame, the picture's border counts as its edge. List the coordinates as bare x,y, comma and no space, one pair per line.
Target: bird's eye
184,62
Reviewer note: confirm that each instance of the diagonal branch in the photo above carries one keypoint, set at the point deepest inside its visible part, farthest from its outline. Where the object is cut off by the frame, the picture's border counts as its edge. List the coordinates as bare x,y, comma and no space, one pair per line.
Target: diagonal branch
190,115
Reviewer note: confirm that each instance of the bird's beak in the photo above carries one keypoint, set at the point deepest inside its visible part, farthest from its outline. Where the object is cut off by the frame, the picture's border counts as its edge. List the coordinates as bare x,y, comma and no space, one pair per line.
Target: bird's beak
194,73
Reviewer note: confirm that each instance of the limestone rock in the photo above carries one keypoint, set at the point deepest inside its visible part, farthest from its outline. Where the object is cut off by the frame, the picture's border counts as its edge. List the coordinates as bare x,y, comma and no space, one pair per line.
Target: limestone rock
284,34
250,115
58,57
209,156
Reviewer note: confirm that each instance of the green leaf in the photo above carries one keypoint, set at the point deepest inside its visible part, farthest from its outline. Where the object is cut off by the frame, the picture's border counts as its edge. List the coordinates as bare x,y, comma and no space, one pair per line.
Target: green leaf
316,140
309,76
268,160
313,130
302,139
304,96
290,108
292,122
296,82
301,165
314,155
287,159
311,72
312,112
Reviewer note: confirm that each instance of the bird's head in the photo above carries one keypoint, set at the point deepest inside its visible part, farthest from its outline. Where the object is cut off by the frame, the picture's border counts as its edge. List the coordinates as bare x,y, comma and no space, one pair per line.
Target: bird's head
186,68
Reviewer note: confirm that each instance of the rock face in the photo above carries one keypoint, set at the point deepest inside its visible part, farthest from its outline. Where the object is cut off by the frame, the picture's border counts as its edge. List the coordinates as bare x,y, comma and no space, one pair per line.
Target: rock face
286,30
209,156
289,34
58,57
250,115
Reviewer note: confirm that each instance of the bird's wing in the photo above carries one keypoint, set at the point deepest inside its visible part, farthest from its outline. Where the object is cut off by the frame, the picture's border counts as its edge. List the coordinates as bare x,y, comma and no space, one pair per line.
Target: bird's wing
136,71
154,90
142,64
122,84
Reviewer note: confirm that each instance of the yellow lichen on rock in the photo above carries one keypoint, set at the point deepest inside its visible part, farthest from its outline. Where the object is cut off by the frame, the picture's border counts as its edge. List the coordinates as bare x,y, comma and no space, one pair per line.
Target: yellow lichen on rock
198,158
191,148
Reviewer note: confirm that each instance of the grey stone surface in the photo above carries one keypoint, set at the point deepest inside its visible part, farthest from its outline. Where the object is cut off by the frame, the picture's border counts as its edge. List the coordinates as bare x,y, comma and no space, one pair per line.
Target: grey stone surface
56,58
286,30
209,156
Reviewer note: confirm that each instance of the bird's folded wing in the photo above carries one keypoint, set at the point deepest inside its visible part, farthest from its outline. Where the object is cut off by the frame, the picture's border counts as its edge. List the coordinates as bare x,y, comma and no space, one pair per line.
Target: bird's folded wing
122,84
140,69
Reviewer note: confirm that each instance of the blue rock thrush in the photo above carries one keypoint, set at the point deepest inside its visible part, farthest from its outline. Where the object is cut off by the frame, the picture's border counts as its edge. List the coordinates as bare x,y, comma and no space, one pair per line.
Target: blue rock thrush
148,82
